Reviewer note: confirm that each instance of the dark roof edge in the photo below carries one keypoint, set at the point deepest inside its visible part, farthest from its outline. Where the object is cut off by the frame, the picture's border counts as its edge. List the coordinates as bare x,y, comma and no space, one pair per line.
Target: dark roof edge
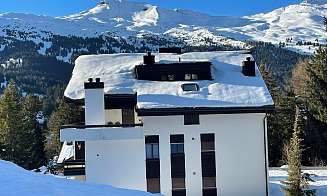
198,110
205,110
77,102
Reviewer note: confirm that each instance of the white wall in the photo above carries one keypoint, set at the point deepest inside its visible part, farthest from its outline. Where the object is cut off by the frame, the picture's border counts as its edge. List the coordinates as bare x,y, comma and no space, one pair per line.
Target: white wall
120,163
113,116
240,156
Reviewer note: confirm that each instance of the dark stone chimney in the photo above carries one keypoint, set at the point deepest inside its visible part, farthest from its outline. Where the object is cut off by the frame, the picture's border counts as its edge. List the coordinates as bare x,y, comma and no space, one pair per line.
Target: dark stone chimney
149,59
93,85
248,67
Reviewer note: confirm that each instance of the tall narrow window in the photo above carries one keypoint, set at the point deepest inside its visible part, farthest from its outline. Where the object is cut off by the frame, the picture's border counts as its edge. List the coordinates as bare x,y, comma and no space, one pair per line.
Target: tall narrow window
152,163
208,160
177,165
80,150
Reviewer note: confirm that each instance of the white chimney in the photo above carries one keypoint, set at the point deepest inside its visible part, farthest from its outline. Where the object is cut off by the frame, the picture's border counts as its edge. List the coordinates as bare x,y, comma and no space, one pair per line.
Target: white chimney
94,102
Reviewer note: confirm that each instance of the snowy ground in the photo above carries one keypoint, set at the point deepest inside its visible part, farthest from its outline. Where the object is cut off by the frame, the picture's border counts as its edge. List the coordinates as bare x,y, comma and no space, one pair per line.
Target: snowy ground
320,184
15,181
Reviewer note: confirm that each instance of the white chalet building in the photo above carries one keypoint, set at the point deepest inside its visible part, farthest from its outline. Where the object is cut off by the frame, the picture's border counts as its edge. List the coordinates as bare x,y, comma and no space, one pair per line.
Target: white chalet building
171,123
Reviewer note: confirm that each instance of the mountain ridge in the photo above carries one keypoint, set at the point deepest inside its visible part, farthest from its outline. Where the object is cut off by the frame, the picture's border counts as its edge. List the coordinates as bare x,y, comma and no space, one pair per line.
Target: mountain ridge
299,23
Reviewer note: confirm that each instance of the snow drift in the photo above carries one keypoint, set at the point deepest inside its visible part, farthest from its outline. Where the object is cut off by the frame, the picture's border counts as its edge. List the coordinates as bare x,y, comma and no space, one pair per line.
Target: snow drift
15,181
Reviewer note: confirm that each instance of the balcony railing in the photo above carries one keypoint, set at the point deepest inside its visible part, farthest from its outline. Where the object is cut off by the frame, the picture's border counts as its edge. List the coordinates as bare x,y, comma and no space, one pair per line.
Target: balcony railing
74,168
80,132
82,126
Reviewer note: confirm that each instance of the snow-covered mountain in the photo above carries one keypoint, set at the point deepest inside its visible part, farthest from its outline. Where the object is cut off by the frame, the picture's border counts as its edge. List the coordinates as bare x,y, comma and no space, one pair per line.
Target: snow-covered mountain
292,24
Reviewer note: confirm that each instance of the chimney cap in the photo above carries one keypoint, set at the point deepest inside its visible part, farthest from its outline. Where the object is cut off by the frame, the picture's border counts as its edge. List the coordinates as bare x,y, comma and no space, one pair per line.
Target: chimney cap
248,58
94,85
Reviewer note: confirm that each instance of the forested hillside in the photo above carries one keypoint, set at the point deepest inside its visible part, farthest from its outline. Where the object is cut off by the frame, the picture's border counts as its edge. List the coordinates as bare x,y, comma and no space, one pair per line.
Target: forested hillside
44,69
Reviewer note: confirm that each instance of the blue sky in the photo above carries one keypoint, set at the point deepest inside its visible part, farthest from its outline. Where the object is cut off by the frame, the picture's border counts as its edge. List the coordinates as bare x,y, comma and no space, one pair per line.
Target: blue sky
213,7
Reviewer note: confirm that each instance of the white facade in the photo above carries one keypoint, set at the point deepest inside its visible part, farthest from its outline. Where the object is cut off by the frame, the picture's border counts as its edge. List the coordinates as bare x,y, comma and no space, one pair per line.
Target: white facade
240,152
232,112
120,163
117,156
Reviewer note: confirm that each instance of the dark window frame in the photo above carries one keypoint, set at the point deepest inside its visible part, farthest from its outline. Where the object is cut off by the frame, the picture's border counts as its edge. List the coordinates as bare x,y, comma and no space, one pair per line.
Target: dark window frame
191,119
184,87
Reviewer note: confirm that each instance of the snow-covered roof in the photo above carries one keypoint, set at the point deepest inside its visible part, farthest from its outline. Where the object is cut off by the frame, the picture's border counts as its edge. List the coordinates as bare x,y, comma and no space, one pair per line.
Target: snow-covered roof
229,87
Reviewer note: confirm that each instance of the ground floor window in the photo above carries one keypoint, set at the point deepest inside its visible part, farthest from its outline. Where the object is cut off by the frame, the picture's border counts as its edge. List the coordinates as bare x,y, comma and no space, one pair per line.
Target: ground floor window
153,185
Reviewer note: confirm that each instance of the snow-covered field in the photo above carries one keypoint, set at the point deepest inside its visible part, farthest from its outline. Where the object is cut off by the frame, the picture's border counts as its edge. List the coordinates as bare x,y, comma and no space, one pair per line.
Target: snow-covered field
320,184
15,181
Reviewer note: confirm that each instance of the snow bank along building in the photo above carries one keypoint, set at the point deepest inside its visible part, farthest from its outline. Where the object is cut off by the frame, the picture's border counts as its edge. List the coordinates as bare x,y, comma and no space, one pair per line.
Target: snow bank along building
176,124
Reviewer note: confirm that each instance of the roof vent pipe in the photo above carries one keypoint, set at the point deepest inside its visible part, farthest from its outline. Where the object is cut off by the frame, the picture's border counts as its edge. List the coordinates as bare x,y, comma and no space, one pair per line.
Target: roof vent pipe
149,59
248,67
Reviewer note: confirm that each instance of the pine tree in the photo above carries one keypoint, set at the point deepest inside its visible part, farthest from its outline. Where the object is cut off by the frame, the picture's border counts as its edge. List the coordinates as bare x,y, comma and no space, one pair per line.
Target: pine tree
279,123
316,86
65,114
294,153
297,183
12,136
32,105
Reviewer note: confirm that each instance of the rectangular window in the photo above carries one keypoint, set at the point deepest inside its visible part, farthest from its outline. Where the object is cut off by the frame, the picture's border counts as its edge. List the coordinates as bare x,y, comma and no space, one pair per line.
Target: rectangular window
177,165
188,76
80,150
191,119
128,116
153,185
209,182
195,77
207,142
177,148
152,151
171,77
190,87
178,183
152,163
208,162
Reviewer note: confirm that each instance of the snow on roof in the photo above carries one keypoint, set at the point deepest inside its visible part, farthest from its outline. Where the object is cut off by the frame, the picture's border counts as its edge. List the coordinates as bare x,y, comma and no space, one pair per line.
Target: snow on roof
229,88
